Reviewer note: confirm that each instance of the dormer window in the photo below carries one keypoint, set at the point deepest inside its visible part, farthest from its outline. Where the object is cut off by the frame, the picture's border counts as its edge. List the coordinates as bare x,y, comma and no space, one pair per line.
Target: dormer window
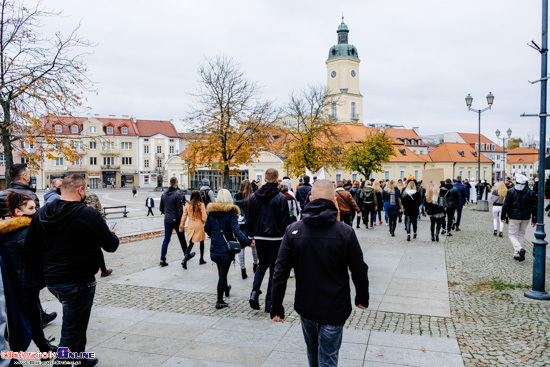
461,152
58,128
109,129
124,130
402,151
74,129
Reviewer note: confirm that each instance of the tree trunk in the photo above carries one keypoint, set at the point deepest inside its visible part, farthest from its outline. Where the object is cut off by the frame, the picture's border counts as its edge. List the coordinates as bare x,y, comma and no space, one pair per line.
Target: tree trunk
226,182
6,140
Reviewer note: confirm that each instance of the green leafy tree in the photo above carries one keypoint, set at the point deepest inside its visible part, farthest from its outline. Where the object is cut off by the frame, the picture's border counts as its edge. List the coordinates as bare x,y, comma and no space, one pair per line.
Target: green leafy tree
514,143
368,155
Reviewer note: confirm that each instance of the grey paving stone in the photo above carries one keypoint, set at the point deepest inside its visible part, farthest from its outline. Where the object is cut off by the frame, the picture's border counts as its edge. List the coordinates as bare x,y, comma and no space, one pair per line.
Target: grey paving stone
126,358
142,343
412,357
183,319
250,339
266,327
239,355
182,332
415,342
279,358
110,323
188,362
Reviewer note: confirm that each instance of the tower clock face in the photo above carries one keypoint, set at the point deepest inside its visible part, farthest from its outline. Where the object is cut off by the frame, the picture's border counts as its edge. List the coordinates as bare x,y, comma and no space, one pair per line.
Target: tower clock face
333,74
353,73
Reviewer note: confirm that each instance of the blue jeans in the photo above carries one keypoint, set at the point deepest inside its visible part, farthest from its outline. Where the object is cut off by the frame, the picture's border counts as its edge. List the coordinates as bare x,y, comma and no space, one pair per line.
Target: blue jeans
459,215
385,205
77,300
323,342
168,227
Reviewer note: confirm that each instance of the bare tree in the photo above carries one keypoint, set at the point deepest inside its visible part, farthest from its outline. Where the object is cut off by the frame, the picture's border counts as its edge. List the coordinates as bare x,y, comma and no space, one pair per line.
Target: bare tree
231,122
40,75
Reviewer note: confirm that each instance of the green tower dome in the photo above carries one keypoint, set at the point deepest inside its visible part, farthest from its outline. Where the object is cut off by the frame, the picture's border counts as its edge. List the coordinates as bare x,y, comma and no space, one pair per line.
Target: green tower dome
343,49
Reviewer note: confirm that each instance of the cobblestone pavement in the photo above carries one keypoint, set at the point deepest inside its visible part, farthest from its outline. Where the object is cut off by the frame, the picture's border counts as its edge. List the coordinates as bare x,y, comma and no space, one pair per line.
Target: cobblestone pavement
492,321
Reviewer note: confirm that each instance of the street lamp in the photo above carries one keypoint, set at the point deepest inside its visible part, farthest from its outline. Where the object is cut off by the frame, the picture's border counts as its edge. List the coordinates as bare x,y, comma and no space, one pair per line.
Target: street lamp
469,99
497,133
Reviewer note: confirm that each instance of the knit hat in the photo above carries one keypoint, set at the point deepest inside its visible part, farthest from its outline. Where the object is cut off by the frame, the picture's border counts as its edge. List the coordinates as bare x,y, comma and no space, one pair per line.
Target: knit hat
521,179
205,182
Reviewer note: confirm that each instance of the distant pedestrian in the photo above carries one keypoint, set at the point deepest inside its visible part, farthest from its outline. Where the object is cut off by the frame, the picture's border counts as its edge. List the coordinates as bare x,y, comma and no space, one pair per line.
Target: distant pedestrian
519,206
321,250
150,204
54,192
196,212
435,210
370,204
410,200
463,194
452,197
302,192
134,192
222,225
171,205
392,204
346,204
355,191
497,198
207,195
242,200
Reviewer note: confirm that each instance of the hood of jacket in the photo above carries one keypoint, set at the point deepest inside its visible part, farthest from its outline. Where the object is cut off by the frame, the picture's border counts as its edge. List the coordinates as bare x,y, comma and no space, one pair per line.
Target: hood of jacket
319,212
14,223
411,192
171,191
368,188
222,208
267,192
50,193
21,186
288,196
57,215
448,186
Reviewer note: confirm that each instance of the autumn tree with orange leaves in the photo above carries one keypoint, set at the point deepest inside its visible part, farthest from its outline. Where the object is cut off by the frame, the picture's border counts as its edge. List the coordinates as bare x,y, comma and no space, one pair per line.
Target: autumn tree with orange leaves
40,75
231,124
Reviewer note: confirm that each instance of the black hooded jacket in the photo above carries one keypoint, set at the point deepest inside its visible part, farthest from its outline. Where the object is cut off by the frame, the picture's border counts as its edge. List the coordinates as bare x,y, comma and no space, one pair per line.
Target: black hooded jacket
171,205
268,214
520,204
320,249
65,240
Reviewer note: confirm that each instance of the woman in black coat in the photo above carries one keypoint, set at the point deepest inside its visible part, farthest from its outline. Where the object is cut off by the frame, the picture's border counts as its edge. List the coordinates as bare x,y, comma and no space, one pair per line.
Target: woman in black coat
411,201
434,210
222,221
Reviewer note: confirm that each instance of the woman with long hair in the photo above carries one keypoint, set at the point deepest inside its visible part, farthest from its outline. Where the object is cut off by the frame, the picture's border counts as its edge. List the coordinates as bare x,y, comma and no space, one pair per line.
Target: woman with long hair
378,193
497,197
411,202
26,279
355,191
242,199
400,187
392,204
196,212
222,225
434,210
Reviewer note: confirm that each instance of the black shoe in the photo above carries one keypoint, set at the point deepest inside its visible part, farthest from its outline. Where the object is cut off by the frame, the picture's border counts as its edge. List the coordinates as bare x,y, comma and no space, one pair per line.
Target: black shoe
449,234
47,318
414,235
268,306
408,237
202,262
495,232
358,226
516,258
254,267
254,299
243,273
163,263
227,290
453,226
184,264
443,231
521,255
500,234
393,234
221,304
433,238
89,362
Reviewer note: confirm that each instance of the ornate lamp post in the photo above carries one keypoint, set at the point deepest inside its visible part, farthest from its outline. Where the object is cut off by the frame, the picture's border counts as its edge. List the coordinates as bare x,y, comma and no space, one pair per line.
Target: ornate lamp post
497,133
481,206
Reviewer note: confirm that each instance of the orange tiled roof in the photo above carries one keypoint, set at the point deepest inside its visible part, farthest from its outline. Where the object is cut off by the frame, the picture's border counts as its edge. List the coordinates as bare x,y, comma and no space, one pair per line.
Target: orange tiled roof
450,152
523,150
67,121
404,154
403,134
472,139
153,127
520,159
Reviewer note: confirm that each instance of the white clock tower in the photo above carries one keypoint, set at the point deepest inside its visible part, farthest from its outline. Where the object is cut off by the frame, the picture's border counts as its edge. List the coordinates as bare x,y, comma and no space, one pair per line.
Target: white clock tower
343,80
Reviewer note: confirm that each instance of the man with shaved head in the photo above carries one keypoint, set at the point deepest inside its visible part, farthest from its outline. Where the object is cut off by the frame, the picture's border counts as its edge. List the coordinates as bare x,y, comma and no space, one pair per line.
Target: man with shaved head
321,250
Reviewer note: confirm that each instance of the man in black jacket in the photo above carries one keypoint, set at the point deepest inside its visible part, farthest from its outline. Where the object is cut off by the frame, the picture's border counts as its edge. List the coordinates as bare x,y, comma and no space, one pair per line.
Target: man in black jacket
302,193
268,218
520,205
20,181
65,240
321,249
171,206
453,198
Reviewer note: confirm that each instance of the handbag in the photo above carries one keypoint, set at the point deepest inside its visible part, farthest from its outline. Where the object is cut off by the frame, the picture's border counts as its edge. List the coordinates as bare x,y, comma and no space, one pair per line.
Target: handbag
233,247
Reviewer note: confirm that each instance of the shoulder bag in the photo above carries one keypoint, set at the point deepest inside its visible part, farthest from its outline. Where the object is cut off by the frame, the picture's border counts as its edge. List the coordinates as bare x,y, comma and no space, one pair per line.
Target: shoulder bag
233,247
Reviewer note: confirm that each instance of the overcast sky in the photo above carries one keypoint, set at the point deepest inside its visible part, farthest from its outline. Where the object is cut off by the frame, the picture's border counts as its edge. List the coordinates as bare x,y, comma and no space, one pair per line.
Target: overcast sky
419,59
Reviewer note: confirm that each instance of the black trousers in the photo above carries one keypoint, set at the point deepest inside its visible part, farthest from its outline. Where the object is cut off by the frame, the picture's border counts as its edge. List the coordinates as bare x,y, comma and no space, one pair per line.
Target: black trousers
368,210
31,310
223,269
450,215
150,211
345,218
267,255
411,219
440,222
393,222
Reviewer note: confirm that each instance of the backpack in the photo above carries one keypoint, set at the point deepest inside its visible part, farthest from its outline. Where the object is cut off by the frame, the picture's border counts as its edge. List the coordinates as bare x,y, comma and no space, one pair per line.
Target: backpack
368,197
393,200
291,209
442,201
205,197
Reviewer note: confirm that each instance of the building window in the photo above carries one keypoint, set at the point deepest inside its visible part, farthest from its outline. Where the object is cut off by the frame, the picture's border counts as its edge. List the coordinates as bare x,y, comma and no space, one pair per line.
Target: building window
402,173
93,161
514,166
159,149
57,161
146,149
108,161
126,145
78,145
333,110
354,177
387,174
2,158
108,146
146,163
498,165
171,140
124,130
93,145
109,129
93,129
484,174
27,146
159,163
469,174
74,129
459,173
171,149
531,167
353,110
58,128
126,160
77,162
416,173
146,139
